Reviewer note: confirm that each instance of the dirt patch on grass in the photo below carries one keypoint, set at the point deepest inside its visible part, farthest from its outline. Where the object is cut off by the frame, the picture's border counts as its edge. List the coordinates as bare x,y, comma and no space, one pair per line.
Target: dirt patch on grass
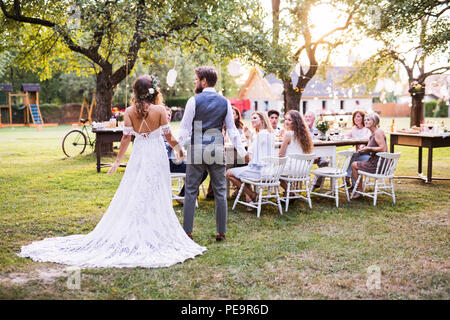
435,218
46,275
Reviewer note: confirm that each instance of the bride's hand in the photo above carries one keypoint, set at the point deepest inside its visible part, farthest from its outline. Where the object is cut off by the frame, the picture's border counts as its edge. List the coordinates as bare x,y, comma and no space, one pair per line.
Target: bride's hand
179,155
113,168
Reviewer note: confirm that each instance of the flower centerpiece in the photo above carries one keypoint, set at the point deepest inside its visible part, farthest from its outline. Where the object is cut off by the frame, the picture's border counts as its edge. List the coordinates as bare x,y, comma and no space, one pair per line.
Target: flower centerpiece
323,126
119,115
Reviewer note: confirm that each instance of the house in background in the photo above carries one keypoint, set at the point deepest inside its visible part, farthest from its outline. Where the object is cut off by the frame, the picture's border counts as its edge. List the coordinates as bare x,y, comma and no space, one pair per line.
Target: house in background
262,97
320,95
437,86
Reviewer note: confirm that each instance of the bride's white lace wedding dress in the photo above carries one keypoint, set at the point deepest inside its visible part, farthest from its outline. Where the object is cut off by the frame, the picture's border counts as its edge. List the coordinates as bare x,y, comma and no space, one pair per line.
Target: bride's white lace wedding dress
139,228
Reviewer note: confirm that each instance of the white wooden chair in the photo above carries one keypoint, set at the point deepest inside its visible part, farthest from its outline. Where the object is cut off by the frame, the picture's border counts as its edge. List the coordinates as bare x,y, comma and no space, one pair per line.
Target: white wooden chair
387,162
270,180
300,172
335,173
179,179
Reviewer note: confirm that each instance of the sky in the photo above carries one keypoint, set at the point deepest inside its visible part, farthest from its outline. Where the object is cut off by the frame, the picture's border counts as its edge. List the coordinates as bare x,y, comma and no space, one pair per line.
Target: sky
324,19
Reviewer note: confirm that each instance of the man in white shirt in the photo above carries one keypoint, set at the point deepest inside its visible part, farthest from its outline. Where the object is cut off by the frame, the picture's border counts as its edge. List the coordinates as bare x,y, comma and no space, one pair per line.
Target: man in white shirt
204,116
274,118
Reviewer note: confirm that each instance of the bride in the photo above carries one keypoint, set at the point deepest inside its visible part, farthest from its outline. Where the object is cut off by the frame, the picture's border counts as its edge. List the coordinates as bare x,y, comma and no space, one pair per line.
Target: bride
139,228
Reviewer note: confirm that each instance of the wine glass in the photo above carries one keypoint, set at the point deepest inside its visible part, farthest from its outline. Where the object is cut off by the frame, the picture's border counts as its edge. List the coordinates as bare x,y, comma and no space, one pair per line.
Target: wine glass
316,134
337,134
331,134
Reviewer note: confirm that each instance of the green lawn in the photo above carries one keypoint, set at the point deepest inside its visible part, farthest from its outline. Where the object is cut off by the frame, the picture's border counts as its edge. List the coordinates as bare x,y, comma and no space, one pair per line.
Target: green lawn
323,253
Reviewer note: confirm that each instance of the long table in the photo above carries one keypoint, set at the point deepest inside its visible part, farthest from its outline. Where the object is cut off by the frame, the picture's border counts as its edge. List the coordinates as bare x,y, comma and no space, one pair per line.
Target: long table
420,141
321,148
328,148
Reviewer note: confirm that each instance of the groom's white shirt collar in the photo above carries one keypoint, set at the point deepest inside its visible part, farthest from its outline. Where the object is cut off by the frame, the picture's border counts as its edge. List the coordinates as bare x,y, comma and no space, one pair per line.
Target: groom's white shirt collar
209,89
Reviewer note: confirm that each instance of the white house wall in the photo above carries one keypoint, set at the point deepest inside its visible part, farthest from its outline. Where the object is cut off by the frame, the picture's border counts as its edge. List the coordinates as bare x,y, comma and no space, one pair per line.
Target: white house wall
334,105
271,105
311,104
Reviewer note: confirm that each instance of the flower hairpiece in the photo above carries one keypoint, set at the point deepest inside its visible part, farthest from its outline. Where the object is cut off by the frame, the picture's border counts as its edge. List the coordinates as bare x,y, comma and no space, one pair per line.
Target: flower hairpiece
152,90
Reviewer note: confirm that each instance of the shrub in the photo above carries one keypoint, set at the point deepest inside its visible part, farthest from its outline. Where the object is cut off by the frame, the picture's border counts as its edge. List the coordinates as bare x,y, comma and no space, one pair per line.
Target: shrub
430,108
441,110
176,102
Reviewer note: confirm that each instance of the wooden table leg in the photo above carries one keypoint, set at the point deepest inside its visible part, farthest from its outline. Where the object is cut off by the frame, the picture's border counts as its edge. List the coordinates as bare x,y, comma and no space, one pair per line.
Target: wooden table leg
98,151
392,146
419,169
430,164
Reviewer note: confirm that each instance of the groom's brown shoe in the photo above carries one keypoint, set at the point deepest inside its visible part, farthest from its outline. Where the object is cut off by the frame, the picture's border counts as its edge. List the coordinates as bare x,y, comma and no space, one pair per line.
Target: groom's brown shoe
190,235
220,237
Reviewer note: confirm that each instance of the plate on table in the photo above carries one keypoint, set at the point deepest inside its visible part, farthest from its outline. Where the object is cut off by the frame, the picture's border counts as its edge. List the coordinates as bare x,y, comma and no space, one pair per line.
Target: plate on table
409,131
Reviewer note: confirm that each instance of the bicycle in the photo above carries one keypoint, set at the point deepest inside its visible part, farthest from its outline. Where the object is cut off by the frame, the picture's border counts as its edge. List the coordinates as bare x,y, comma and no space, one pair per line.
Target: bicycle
76,140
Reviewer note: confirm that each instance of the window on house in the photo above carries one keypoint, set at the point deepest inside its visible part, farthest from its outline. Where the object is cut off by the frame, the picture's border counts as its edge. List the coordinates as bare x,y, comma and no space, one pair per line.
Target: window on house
342,105
266,104
324,104
304,105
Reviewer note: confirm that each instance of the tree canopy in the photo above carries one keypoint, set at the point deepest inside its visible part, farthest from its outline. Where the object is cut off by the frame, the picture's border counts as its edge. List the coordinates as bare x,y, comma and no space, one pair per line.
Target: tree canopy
105,38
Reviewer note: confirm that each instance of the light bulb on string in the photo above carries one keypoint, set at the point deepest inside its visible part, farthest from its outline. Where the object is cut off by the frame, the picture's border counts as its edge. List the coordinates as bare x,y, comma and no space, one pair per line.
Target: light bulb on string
234,67
171,77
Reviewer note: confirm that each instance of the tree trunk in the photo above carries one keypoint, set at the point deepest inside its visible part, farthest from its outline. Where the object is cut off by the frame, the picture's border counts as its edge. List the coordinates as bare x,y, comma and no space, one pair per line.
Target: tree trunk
103,97
291,97
417,109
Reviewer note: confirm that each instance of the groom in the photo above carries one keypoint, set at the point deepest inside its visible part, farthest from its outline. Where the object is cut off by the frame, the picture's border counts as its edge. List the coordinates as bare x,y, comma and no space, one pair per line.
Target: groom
204,116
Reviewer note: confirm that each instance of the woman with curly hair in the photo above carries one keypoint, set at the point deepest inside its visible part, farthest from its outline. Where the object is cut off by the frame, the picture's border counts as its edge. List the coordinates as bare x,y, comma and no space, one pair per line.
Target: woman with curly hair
297,139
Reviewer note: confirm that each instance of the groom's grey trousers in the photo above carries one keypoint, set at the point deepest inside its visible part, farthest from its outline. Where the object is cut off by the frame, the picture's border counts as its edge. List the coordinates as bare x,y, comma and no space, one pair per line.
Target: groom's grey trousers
194,174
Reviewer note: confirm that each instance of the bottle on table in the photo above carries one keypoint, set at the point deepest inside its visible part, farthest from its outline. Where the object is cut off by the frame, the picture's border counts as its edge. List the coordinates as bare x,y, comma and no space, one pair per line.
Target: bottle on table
112,122
393,128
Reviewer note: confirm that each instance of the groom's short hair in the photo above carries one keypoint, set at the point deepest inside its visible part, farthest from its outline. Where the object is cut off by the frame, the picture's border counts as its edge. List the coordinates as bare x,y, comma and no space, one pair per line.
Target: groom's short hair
208,73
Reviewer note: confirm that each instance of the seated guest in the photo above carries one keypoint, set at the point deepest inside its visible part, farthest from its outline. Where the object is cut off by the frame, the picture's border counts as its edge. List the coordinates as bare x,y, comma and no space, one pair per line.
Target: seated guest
359,131
175,166
261,146
274,118
246,135
238,121
242,128
310,119
297,139
377,143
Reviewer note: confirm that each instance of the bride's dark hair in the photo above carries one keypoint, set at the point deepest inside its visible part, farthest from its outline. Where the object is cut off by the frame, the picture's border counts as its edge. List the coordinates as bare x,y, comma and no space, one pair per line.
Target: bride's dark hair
145,91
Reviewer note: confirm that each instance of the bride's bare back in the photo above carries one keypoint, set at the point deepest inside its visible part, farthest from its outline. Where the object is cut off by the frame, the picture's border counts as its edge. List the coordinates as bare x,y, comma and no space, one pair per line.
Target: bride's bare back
156,117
